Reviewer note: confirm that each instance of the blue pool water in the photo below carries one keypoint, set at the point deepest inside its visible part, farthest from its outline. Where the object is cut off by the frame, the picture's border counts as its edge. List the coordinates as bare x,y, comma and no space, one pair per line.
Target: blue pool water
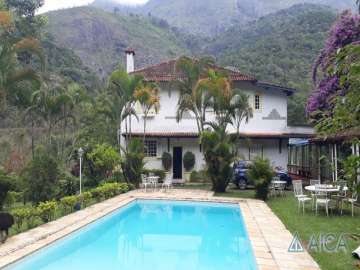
153,235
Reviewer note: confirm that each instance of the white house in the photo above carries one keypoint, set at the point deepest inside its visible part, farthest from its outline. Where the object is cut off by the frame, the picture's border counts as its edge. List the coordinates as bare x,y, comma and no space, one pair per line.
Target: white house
266,134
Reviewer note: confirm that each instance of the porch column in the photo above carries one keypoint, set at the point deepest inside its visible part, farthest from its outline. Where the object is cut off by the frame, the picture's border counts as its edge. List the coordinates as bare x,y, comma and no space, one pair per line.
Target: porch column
333,162
336,162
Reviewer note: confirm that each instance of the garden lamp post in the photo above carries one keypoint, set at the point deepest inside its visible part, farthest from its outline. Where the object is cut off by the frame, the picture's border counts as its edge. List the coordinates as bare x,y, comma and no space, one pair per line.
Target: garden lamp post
80,152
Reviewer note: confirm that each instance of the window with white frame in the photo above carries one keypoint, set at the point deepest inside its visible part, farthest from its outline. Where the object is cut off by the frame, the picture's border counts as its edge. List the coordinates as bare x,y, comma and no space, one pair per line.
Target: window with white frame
258,102
150,148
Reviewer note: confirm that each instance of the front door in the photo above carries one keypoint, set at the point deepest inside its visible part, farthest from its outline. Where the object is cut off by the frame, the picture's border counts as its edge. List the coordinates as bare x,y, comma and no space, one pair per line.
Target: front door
177,163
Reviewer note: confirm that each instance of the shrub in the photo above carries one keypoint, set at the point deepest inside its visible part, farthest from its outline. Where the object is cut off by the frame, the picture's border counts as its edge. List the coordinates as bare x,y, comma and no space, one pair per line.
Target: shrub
133,164
351,172
261,173
97,194
219,156
189,161
198,177
69,185
5,187
104,159
42,177
22,215
69,203
46,210
85,198
166,161
109,190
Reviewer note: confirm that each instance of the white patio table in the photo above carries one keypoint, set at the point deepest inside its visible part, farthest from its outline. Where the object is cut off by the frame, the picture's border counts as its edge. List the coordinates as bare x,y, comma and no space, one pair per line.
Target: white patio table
325,188
278,186
279,182
154,180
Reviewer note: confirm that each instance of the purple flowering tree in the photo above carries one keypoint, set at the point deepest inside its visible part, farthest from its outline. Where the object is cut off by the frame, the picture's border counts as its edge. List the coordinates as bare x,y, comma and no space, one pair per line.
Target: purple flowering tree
326,76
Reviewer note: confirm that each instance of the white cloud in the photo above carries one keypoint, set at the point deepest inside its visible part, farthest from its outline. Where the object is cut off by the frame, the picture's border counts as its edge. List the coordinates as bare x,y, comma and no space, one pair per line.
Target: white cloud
60,4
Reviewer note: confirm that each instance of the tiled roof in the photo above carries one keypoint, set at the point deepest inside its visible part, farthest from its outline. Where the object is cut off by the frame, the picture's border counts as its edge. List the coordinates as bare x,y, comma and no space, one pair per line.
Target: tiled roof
166,72
259,135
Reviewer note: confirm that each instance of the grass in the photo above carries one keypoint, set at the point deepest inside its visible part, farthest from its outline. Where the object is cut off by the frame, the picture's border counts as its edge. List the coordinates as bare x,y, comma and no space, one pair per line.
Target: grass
308,224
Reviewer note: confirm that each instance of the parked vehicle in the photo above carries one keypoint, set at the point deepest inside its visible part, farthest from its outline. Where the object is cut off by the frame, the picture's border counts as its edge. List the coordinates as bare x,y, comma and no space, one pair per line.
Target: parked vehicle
241,180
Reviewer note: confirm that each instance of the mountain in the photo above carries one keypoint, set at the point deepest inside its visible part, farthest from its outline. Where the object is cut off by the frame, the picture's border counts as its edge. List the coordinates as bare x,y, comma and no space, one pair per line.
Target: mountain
279,48
212,17
99,38
65,63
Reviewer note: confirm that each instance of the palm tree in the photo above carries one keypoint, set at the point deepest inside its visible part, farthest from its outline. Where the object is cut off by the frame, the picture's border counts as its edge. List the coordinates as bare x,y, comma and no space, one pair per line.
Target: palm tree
241,109
121,87
192,98
12,73
220,94
148,97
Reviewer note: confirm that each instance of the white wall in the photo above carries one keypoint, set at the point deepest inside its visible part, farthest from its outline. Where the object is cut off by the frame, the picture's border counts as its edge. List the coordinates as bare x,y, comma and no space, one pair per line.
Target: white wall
187,144
271,100
267,148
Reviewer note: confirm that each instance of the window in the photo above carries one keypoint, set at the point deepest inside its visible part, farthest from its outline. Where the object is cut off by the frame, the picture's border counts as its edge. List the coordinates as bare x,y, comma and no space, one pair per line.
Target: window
150,148
257,102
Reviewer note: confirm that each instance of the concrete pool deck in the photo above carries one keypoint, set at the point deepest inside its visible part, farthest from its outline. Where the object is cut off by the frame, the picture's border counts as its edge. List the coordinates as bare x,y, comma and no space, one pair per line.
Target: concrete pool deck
269,238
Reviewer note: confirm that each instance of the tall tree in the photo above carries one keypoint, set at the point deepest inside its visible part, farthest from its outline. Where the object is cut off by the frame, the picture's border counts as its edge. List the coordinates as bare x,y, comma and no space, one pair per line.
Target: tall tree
121,87
192,98
148,97
13,74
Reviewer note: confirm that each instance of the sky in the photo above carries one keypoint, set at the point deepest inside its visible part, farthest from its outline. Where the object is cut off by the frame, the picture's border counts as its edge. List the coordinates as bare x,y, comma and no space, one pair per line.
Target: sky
60,4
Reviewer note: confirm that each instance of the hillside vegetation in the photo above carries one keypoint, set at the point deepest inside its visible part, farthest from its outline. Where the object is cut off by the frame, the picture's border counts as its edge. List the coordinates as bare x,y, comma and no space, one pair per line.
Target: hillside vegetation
212,17
100,38
279,48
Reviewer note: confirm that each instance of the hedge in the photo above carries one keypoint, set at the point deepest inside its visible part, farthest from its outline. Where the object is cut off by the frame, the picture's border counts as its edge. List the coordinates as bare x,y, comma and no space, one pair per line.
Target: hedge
46,211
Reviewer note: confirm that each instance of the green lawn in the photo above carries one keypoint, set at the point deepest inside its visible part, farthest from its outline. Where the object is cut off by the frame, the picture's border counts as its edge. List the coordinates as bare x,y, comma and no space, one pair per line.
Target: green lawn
306,225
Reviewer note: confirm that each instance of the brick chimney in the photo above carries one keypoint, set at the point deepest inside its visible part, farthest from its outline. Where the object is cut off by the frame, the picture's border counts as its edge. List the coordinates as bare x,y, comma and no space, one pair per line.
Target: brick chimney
130,63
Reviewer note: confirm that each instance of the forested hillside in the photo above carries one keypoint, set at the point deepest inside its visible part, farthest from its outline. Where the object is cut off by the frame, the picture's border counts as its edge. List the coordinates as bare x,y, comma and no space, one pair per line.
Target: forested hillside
212,17
100,38
279,48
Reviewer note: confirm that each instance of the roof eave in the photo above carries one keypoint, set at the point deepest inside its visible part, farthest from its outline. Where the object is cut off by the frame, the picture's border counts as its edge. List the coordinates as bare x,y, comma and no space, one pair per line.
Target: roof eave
287,90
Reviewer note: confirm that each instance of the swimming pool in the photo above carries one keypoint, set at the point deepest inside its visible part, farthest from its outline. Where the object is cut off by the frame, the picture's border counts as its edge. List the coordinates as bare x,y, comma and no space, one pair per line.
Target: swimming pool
154,235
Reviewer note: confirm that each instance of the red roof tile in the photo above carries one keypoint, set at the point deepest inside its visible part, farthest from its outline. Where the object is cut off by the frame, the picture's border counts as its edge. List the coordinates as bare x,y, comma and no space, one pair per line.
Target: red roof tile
166,71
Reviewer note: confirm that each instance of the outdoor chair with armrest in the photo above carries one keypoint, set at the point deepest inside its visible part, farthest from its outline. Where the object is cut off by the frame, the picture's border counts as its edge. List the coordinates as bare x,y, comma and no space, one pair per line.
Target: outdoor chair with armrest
298,192
352,200
321,198
167,184
144,182
314,182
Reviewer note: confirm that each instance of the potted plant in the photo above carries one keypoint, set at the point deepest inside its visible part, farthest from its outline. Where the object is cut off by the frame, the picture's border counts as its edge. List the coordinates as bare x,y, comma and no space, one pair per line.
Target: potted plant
167,163
189,163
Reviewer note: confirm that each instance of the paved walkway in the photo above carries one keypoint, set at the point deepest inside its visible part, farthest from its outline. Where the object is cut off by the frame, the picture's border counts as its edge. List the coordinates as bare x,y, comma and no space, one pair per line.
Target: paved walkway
269,237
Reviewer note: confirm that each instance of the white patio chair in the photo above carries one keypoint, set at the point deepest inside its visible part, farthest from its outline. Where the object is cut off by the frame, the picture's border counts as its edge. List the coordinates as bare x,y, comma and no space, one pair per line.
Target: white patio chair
314,182
321,199
144,182
167,185
352,201
342,193
298,192
272,189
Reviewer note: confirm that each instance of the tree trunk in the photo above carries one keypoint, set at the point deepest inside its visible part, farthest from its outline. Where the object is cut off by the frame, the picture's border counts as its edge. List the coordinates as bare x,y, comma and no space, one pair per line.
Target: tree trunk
32,136
145,117
120,133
